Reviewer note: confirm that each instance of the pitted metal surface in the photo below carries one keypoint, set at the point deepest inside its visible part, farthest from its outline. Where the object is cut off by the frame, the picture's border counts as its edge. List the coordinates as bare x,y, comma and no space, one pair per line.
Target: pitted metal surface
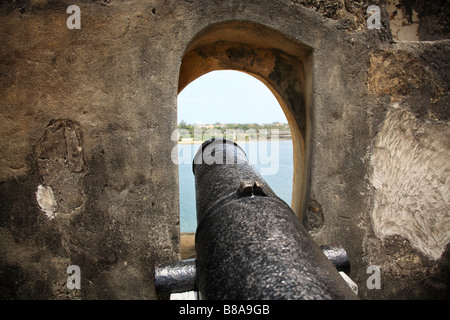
214,181
177,276
249,243
338,257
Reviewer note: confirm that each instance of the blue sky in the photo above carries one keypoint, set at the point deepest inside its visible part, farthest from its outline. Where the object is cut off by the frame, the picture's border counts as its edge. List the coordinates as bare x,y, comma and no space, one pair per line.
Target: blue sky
228,97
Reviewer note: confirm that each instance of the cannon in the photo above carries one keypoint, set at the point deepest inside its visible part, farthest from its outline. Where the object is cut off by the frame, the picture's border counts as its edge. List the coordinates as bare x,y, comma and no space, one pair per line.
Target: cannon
249,243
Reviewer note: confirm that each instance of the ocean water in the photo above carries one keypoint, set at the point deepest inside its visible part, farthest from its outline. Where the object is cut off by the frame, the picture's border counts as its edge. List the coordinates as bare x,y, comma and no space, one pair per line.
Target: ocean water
274,160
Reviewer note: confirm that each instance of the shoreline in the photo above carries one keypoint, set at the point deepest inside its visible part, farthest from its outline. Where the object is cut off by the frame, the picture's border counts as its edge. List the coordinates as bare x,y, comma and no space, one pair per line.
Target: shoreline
200,142
187,243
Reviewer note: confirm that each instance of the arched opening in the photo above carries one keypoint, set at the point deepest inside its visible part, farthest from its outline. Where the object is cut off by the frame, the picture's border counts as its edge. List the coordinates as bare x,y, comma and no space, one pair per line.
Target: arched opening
282,64
238,107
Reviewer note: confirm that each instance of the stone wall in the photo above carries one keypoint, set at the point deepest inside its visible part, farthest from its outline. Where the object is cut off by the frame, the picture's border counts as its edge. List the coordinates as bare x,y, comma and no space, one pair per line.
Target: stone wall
87,115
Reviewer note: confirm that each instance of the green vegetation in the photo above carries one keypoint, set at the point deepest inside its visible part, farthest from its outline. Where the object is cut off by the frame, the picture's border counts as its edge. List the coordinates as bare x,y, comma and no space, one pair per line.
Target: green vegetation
235,131
237,126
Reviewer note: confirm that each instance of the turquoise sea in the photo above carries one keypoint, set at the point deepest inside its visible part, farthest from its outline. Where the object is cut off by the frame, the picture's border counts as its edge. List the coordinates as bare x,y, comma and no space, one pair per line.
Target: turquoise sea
272,159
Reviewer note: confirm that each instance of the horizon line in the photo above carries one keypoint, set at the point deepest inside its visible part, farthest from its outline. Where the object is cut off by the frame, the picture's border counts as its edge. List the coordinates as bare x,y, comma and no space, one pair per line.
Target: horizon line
234,123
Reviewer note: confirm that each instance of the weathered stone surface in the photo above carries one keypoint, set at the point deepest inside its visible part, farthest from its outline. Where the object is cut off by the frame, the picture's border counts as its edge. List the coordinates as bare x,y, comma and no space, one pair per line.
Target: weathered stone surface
350,14
411,173
395,73
418,20
411,74
86,119
59,158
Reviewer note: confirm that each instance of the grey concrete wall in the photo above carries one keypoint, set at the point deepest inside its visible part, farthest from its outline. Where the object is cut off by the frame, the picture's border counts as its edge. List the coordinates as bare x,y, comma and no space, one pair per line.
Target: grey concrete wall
86,118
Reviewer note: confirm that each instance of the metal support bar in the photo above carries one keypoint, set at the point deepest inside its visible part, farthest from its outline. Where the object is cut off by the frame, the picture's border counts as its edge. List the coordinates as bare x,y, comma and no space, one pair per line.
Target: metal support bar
175,277
338,257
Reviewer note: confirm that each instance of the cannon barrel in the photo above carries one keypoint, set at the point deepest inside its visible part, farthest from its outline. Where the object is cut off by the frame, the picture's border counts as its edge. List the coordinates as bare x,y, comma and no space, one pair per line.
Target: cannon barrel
249,243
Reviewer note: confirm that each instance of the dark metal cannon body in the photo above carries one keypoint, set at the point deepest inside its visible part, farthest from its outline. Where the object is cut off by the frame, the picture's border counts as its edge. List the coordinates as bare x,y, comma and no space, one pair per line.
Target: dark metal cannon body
249,243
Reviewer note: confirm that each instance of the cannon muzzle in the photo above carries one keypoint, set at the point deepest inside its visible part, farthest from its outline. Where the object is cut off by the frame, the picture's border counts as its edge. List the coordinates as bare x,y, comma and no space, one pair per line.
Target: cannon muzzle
249,242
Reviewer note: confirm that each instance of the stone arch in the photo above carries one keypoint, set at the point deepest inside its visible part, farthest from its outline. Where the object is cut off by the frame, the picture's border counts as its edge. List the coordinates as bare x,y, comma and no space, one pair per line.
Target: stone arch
281,63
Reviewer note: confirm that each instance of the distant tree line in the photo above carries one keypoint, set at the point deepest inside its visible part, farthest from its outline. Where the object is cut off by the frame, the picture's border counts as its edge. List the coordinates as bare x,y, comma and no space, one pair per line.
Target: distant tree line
232,126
